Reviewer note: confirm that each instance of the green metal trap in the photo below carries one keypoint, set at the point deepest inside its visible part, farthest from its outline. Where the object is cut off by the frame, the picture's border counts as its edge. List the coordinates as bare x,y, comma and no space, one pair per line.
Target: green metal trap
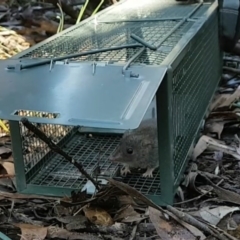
106,74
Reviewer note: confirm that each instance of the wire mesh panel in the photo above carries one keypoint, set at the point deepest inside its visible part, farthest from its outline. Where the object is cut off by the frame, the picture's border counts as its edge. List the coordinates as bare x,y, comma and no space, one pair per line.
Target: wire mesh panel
149,9
114,29
193,83
92,151
115,34
36,152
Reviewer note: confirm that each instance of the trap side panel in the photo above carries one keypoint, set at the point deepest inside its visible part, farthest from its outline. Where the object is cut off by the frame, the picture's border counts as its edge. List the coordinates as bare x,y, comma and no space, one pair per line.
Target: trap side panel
194,83
194,78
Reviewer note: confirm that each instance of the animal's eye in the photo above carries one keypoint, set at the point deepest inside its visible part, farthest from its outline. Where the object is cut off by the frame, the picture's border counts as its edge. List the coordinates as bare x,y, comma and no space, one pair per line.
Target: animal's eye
129,150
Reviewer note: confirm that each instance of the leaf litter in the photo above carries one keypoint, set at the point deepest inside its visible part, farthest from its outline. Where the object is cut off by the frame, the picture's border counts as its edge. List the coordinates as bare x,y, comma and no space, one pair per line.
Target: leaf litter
209,197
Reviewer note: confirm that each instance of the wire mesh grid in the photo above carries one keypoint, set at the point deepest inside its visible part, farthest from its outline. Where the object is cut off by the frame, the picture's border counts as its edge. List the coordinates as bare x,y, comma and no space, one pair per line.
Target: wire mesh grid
156,58
92,151
149,9
194,81
115,34
147,186
34,150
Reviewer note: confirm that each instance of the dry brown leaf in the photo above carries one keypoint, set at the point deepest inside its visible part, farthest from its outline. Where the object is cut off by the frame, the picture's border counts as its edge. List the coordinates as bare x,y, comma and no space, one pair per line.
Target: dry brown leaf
218,100
128,214
215,127
98,216
60,233
162,226
24,196
10,159
4,150
126,200
195,231
225,100
32,232
226,116
168,230
200,147
73,222
9,167
207,142
235,233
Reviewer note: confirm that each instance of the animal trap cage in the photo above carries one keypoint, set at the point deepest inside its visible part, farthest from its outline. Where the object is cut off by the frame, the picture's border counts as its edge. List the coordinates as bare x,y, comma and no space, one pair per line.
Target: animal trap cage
105,74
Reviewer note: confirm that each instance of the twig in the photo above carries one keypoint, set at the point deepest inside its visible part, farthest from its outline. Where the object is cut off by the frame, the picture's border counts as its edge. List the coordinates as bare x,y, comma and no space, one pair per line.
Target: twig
234,70
200,196
57,149
134,230
24,196
183,216
195,231
135,194
6,176
217,229
133,233
192,221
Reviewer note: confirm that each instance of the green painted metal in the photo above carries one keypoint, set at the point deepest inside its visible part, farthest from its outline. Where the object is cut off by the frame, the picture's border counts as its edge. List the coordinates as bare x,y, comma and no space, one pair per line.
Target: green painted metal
165,138
18,155
187,63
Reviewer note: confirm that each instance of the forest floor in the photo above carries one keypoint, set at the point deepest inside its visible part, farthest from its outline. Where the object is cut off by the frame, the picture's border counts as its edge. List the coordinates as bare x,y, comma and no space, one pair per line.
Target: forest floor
208,202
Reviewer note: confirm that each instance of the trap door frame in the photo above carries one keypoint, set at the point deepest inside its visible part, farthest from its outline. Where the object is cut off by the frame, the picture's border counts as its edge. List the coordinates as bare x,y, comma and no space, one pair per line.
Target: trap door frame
101,95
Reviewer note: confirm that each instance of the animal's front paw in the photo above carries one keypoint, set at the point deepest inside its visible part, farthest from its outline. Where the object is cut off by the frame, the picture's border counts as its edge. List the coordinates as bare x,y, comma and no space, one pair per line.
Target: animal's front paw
148,173
125,170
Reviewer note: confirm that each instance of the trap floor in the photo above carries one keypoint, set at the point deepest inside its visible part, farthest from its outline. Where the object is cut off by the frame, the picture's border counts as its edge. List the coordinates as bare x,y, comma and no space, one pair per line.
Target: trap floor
92,150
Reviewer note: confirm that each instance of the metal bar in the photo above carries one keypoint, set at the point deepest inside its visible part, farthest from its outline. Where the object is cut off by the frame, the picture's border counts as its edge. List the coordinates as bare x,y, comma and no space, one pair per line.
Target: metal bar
18,155
133,58
142,20
47,61
231,59
4,237
165,148
143,42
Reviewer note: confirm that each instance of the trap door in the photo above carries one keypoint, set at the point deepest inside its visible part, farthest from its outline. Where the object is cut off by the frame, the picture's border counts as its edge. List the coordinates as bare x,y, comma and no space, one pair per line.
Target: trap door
94,95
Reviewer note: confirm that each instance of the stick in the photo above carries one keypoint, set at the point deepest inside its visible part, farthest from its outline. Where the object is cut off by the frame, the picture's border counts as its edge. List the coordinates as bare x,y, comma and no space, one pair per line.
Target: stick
193,221
57,149
234,70
198,197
